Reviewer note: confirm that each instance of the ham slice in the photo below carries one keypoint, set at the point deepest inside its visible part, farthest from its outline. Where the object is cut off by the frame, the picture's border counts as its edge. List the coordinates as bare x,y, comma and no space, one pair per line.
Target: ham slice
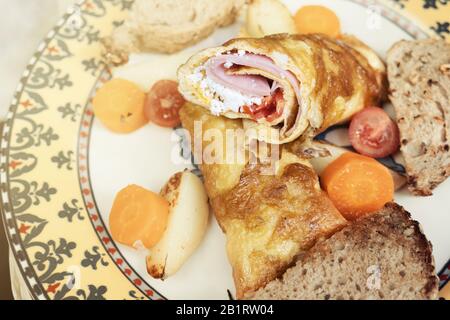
251,85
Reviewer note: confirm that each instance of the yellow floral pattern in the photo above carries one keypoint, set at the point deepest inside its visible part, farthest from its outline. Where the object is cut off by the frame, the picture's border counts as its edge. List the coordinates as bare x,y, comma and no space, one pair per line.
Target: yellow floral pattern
432,15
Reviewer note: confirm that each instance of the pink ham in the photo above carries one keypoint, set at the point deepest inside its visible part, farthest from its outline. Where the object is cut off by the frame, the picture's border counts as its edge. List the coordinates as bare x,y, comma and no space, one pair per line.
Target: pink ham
251,85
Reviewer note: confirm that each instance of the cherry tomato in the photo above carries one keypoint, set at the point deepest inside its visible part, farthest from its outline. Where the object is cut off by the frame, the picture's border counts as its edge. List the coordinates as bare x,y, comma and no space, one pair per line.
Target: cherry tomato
372,133
163,104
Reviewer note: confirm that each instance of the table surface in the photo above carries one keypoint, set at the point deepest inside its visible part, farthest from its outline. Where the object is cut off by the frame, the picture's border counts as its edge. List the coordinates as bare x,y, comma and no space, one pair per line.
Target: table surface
30,20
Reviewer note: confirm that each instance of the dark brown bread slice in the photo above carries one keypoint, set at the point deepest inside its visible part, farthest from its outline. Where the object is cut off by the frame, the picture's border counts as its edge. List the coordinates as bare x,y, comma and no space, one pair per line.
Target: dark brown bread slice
383,256
419,80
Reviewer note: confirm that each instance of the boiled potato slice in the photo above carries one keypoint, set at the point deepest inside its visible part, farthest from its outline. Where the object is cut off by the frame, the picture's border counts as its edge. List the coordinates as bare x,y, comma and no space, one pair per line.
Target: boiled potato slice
265,17
186,225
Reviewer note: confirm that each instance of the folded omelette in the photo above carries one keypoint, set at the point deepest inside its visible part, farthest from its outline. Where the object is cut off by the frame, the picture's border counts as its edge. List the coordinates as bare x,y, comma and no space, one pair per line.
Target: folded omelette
294,85
268,219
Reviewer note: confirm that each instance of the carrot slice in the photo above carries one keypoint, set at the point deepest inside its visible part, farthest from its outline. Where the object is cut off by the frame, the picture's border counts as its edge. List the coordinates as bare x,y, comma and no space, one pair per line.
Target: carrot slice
357,185
137,215
119,105
317,19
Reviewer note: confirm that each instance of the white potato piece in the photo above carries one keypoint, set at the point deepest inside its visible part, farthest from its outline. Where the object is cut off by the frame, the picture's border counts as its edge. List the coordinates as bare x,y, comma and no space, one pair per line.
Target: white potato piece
266,17
186,225
320,163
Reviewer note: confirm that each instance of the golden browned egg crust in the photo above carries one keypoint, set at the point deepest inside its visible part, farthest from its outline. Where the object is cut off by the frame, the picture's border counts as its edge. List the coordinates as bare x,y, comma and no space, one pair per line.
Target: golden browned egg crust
268,219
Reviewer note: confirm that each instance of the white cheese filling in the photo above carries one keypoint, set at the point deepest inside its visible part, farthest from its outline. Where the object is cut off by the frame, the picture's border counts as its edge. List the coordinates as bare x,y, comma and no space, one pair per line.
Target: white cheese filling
222,99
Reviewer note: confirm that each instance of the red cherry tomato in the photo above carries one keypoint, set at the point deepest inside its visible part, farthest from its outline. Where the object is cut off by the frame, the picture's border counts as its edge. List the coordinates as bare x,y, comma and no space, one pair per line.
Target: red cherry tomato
163,104
372,133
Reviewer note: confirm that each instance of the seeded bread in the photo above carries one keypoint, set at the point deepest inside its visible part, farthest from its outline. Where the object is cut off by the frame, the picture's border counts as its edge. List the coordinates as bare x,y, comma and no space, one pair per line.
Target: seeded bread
383,256
419,79
169,25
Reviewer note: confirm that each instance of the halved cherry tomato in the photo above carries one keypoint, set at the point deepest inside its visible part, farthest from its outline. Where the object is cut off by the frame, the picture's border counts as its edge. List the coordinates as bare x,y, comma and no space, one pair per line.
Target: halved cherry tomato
373,134
163,104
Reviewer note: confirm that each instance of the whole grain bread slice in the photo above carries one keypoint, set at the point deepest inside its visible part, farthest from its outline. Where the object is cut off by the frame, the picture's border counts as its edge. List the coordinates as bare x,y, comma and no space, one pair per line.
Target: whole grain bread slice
419,80
382,256
168,26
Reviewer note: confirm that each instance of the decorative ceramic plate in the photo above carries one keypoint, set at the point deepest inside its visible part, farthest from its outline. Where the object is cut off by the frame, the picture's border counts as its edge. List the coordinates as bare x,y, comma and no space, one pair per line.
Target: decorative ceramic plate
60,169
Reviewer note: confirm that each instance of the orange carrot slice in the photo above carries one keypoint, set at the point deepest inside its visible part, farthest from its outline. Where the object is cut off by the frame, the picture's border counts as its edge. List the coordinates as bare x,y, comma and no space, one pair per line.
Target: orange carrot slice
317,19
137,215
357,185
119,105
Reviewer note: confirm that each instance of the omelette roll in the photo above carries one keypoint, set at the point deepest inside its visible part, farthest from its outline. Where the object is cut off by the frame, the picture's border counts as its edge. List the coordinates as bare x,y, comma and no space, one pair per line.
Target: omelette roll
292,84
268,219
